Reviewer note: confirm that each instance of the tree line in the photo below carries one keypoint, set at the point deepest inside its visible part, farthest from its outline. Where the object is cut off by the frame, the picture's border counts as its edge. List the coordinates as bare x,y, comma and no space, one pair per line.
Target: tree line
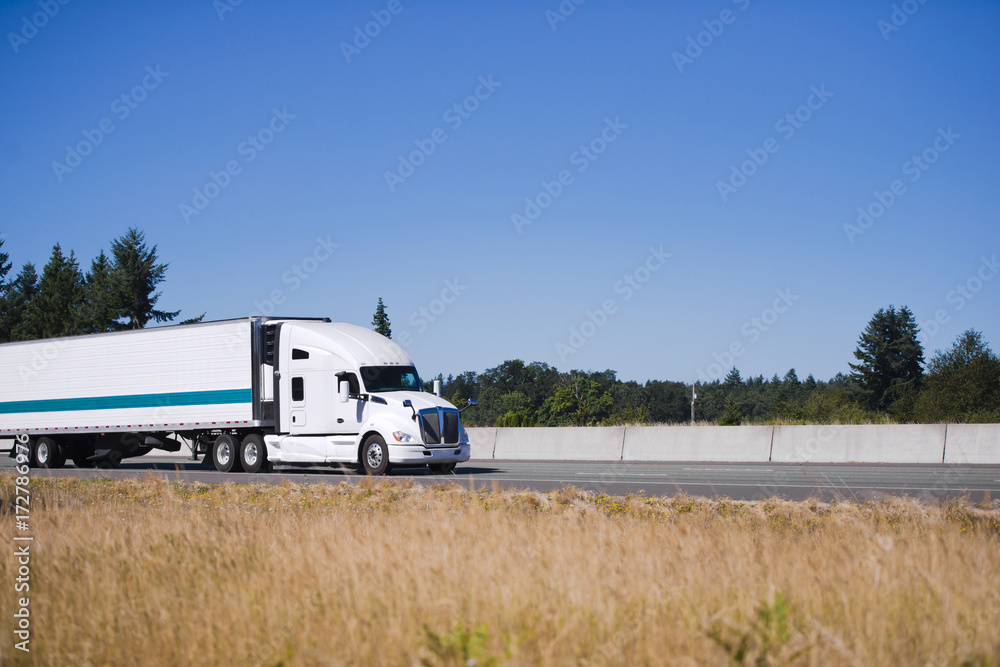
118,292
889,383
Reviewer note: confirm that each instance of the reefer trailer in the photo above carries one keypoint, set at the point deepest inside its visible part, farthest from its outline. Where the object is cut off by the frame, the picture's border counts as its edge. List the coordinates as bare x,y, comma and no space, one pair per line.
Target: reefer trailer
245,393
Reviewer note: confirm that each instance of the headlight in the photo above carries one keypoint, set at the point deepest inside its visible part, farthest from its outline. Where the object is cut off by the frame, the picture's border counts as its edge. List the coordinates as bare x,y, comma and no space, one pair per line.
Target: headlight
463,436
403,436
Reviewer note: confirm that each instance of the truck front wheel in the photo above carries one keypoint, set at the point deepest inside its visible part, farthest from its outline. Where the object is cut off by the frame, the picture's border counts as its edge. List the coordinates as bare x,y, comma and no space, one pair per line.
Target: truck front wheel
225,453
375,455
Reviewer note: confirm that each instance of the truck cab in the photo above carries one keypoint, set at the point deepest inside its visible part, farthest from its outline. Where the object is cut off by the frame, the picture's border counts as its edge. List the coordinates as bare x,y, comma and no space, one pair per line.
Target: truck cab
340,393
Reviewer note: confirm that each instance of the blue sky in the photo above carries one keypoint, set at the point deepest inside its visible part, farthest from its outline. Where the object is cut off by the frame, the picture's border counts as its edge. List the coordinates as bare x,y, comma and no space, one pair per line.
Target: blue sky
663,189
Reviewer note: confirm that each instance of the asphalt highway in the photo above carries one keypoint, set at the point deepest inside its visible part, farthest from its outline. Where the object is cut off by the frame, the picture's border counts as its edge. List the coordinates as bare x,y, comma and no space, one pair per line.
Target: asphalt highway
742,481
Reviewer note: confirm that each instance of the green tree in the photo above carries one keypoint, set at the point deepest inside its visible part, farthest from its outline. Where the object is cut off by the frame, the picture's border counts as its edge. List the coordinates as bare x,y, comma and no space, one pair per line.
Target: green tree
380,321
4,267
15,299
962,384
102,306
135,275
890,361
583,403
53,311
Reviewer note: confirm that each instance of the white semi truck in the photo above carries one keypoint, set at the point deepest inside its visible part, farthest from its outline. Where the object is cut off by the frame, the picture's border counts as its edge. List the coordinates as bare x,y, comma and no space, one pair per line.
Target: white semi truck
245,393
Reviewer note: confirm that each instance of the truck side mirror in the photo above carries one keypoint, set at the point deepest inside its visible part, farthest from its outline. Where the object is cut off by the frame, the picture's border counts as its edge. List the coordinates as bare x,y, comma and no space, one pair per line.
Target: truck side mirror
344,391
471,402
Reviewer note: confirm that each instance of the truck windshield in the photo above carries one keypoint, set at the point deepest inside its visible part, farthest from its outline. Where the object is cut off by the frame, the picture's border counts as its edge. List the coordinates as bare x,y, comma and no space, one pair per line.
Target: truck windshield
390,378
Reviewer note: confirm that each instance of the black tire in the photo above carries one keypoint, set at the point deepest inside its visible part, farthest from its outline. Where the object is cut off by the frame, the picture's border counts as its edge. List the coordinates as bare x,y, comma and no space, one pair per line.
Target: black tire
59,460
441,468
45,453
253,454
375,455
226,454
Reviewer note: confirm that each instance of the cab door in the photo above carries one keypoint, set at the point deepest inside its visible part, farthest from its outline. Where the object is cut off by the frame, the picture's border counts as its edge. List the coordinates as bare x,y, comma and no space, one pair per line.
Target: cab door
347,418
299,393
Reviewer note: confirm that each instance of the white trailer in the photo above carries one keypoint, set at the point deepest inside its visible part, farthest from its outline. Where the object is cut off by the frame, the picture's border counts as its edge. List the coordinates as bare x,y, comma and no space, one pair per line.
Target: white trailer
246,393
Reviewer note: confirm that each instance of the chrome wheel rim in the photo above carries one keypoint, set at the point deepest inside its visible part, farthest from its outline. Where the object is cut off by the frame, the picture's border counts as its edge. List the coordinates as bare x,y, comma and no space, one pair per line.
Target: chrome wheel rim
374,455
250,454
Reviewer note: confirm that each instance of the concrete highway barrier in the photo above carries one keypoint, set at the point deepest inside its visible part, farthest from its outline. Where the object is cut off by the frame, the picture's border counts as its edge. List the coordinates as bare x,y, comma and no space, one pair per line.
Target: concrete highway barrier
972,443
873,443
894,443
594,443
482,441
698,443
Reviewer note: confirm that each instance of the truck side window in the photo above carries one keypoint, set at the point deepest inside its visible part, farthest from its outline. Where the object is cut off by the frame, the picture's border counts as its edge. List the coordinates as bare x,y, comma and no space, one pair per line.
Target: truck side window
298,390
299,354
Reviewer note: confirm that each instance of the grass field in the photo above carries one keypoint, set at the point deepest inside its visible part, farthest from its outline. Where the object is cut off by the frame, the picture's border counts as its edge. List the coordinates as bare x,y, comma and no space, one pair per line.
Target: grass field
381,573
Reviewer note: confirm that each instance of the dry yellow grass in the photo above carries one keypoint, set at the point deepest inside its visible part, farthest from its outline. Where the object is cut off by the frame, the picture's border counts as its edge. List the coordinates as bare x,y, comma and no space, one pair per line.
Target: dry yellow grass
382,573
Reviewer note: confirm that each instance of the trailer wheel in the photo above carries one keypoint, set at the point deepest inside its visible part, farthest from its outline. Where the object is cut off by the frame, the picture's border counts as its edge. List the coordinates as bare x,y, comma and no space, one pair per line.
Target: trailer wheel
253,454
226,453
441,468
375,455
45,453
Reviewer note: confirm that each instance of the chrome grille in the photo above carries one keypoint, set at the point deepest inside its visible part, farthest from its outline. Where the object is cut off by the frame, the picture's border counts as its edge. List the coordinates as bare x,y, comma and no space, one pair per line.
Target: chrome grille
439,426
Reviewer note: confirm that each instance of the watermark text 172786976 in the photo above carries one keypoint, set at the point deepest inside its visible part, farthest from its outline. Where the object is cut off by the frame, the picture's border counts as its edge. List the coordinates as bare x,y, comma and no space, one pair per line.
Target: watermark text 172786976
22,545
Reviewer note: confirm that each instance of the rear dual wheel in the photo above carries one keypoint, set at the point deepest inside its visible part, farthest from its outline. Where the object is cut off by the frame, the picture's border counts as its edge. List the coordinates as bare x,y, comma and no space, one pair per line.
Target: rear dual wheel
253,454
230,454
226,453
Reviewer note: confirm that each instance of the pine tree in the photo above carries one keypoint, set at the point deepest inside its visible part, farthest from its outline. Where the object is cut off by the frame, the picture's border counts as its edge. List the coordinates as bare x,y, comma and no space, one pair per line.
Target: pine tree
380,322
890,359
137,274
102,302
54,310
4,267
15,299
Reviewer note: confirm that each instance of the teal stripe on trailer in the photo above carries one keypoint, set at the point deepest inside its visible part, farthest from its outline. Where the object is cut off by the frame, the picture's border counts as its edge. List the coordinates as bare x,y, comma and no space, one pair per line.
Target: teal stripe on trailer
133,401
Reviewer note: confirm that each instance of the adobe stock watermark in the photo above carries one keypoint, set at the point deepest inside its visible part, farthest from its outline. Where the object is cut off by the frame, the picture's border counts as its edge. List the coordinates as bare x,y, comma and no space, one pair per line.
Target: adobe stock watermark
223,7
915,167
713,30
37,21
627,287
372,29
424,316
297,274
581,158
562,13
254,145
22,543
751,330
42,357
899,16
122,107
454,116
786,126
959,297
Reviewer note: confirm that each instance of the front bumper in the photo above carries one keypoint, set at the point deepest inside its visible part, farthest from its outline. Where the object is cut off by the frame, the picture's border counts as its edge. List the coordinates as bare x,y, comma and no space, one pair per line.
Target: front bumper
418,454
